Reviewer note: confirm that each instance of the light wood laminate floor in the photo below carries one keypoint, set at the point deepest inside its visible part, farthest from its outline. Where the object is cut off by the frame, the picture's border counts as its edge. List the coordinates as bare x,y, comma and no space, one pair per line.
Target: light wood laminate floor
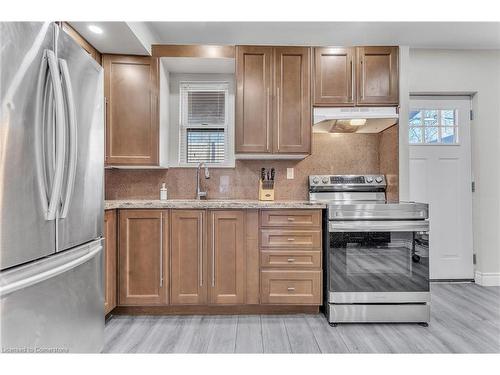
465,319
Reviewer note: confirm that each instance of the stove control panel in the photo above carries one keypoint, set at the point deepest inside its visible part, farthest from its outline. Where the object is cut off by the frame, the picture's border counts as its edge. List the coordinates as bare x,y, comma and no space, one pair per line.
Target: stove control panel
339,182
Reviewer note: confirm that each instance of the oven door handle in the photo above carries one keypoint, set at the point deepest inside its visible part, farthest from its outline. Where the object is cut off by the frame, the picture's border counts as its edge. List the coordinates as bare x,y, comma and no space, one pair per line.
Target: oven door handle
379,226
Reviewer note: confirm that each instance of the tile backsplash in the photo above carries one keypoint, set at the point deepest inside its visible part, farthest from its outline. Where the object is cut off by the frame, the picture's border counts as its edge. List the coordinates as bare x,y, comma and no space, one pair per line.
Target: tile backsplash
331,154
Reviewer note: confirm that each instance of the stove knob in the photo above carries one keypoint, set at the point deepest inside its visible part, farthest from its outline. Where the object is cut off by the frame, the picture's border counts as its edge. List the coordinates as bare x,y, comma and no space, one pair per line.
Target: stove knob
325,180
369,180
315,180
378,180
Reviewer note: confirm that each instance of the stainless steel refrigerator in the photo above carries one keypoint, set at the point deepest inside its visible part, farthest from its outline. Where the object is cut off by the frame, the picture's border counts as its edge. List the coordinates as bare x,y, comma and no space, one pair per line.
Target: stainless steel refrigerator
51,192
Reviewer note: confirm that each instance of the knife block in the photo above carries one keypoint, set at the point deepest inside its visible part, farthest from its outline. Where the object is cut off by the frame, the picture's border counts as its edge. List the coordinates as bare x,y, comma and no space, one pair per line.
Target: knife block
266,190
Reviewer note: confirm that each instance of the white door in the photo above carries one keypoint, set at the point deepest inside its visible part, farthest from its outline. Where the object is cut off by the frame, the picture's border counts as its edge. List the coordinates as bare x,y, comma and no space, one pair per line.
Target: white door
440,174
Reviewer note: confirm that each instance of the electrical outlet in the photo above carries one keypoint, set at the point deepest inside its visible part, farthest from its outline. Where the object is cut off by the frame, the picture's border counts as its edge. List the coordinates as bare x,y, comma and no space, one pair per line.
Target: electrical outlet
289,173
224,184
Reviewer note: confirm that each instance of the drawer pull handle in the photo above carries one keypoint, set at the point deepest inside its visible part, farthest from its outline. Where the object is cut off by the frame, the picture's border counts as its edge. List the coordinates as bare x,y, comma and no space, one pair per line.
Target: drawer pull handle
290,289
291,239
291,219
291,260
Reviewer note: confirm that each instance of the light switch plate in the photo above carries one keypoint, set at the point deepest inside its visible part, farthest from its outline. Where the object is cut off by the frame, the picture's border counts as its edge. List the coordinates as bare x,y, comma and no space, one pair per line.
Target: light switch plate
289,173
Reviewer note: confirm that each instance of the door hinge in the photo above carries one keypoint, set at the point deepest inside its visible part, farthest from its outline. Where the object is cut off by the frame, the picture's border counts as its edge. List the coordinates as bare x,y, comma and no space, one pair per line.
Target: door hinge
474,258
473,186
471,115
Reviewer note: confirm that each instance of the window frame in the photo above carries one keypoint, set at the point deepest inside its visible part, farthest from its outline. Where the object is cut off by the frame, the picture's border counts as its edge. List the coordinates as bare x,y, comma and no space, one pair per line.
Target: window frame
228,87
439,127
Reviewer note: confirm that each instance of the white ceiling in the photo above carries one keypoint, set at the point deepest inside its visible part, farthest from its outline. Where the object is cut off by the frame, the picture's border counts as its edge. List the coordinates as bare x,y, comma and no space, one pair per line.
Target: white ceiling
136,37
198,65
117,37
454,35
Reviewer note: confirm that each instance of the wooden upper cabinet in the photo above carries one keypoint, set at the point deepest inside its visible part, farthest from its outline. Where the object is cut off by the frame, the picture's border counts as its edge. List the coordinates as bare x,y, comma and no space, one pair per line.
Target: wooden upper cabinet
273,100
227,257
334,76
110,260
377,76
132,124
188,257
143,257
292,120
253,99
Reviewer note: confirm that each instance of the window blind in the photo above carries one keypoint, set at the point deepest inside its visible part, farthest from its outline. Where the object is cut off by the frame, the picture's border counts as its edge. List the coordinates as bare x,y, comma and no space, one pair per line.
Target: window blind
207,145
203,117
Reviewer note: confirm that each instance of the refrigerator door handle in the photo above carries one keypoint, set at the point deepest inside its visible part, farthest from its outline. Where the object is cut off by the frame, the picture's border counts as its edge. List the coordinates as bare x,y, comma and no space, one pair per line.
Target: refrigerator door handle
32,277
41,103
73,136
60,135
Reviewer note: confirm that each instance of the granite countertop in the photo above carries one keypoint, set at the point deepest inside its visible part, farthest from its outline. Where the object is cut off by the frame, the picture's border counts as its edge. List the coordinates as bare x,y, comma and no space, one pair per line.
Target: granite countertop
210,203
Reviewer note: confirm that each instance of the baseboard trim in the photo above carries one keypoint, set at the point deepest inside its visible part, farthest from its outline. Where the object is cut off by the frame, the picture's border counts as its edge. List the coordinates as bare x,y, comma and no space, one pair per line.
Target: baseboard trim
217,310
487,278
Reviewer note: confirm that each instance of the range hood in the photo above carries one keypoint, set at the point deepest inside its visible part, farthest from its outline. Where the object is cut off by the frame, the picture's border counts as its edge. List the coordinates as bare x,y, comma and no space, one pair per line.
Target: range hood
353,119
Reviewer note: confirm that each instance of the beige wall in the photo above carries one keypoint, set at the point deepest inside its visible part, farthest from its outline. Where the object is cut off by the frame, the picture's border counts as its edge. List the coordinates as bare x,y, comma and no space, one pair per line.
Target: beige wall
472,71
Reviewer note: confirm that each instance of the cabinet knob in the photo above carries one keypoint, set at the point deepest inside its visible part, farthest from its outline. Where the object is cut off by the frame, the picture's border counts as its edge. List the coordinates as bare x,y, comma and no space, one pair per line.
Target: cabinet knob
291,239
291,260
290,289
291,219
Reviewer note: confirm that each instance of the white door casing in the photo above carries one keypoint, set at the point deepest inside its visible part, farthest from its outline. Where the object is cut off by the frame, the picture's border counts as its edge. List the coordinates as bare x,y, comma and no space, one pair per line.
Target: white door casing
440,174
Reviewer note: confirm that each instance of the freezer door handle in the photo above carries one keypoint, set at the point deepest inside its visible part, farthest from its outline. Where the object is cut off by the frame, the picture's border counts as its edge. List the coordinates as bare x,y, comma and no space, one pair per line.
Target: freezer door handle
10,284
73,136
60,135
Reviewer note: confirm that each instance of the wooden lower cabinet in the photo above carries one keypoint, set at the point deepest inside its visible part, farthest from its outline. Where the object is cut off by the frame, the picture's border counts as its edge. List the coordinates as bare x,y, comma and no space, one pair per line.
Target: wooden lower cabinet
287,238
291,287
208,257
288,258
290,218
109,260
252,287
213,259
227,257
188,257
143,257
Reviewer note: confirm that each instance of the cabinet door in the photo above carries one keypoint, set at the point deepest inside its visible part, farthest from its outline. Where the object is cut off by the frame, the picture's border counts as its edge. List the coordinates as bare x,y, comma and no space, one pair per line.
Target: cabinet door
292,118
334,76
188,263
227,257
143,262
253,99
109,260
377,76
132,129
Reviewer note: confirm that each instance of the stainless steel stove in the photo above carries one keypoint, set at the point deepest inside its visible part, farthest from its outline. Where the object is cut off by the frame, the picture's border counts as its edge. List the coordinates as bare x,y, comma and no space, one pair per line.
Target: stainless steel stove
376,255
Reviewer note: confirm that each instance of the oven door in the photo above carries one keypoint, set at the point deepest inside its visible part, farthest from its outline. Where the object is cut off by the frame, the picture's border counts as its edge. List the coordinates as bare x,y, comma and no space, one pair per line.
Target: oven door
378,261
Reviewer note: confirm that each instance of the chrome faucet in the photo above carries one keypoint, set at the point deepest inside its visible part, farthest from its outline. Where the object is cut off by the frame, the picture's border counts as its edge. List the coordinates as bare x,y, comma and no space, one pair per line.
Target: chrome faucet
201,194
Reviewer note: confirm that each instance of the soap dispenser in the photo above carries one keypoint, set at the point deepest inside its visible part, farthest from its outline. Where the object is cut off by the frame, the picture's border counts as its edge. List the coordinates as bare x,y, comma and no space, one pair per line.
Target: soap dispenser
163,192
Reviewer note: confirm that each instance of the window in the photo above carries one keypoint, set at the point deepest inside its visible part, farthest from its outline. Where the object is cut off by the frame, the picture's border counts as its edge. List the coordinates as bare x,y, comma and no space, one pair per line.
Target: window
204,123
433,126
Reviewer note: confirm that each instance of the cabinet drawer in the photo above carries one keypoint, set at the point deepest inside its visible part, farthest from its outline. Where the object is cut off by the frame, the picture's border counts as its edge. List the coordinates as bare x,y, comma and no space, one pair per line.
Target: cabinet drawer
290,259
290,218
296,239
291,287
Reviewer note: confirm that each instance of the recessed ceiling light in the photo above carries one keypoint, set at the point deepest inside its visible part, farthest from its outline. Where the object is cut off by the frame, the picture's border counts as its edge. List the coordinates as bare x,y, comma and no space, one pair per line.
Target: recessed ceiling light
95,29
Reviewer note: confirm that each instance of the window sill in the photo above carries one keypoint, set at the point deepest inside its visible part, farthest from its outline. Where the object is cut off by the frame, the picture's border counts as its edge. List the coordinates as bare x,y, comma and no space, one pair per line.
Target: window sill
218,166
